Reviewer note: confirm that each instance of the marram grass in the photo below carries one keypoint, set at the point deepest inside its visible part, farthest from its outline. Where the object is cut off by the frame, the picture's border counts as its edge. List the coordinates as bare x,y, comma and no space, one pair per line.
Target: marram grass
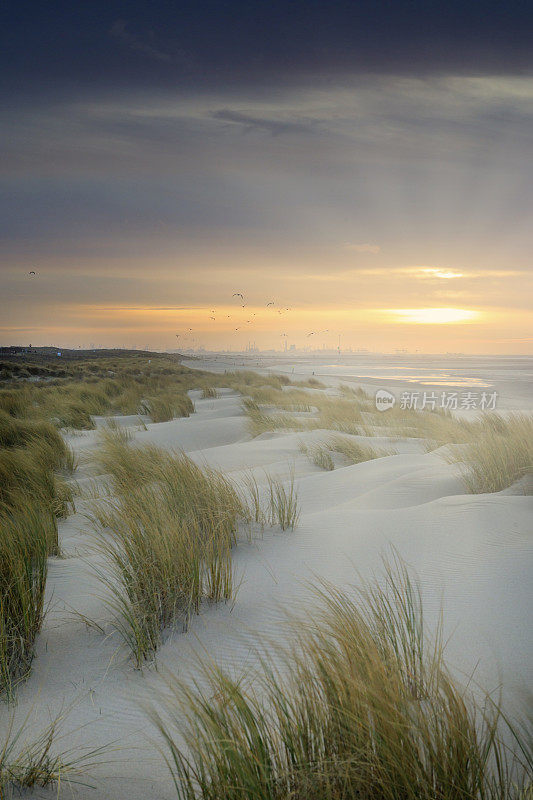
359,706
167,536
27,537
352,451
500,453
167,540
30,758
494,450
283,506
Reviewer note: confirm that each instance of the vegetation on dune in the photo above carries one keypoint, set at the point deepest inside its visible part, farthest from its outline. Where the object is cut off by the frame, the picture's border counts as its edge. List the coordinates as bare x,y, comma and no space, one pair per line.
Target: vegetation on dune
166,406
500,453
283,508
360,704
161,566
209,391
29,758
32,496
128,385
495,450
352,451
27,538
320,456
264,404
167,536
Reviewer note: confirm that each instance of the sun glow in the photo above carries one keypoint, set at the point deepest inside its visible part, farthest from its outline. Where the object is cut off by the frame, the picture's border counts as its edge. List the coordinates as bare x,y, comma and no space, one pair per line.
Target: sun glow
433,316
445,274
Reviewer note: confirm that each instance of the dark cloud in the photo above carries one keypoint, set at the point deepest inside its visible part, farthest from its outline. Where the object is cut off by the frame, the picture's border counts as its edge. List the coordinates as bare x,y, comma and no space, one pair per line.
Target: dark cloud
434,160
273,126
204,43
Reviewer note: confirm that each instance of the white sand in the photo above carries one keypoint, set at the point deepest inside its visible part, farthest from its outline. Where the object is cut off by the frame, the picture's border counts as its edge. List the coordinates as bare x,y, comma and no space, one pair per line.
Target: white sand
473,554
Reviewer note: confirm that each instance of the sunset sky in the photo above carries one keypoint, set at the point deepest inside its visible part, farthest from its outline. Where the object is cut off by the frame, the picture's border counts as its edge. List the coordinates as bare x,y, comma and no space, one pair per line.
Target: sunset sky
366,165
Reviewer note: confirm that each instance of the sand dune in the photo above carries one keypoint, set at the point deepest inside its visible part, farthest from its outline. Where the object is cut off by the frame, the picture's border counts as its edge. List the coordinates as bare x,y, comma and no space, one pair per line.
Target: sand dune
473,554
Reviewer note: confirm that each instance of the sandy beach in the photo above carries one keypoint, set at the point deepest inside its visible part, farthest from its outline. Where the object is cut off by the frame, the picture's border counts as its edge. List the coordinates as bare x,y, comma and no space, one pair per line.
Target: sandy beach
473,555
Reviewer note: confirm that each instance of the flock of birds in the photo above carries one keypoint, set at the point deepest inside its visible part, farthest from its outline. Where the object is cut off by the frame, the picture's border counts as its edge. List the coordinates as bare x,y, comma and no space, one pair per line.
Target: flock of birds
185,336
270,305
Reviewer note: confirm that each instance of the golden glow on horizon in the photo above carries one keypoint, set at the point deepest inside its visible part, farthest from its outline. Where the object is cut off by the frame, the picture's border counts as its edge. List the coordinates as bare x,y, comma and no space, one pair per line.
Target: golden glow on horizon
435,272
433,316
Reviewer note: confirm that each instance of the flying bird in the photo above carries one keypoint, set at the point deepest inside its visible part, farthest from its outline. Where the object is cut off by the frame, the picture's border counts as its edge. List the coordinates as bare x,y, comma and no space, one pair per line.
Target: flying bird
270,304
311,334
238,294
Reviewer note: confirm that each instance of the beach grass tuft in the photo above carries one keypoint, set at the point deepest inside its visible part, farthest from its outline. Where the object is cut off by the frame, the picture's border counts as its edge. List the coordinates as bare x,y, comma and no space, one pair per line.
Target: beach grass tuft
30,758
283,506
27,538
166,406
359,704
500,453
166,539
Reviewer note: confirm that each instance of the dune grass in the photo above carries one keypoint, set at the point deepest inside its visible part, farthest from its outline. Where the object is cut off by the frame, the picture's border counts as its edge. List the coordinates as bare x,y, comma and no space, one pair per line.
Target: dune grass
129,383
352,412
495,451
360,704
160,568
30,453
251,500
166,406
353,451
30,758
283,507
167,535
167,539
27,538
32,496
321,457
124,385
348,447
331,413
500,453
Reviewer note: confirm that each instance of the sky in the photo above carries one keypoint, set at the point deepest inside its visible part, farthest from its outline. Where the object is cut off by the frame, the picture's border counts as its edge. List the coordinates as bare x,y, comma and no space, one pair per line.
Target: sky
360,170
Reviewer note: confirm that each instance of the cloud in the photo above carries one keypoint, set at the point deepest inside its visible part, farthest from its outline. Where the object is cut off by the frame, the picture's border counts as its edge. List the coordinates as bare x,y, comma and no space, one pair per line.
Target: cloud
273,126
363,248
118,31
